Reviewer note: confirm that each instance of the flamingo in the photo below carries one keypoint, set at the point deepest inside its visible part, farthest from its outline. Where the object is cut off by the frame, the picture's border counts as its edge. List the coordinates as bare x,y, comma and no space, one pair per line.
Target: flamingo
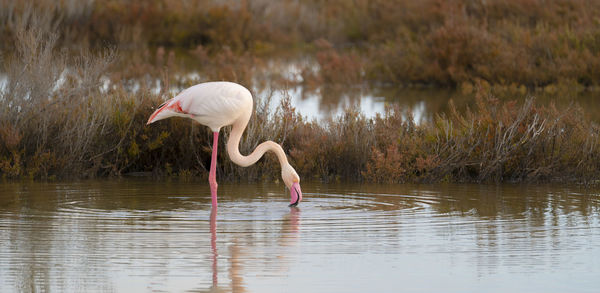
218,104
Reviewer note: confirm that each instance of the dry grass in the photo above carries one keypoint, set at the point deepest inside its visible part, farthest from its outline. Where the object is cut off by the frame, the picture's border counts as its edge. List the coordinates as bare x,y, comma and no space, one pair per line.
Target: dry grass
530,143
47,96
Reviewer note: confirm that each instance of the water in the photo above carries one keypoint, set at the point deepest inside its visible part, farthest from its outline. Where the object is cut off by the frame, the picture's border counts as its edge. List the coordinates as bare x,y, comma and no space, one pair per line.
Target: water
142,235
280,77
422,104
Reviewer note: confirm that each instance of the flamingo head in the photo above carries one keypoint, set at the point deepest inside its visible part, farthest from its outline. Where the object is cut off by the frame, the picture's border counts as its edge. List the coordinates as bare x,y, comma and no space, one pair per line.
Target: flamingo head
292,182
167,109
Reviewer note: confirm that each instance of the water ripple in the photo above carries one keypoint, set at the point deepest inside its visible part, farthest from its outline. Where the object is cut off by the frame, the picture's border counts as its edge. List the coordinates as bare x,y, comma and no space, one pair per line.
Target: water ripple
143,236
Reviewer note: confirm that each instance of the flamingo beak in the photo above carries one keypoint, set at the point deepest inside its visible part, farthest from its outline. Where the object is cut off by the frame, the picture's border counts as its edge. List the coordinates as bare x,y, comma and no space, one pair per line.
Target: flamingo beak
159,114
295,194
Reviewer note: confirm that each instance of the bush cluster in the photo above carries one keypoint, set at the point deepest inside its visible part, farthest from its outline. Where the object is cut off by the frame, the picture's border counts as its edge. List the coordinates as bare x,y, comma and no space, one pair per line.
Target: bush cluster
441,42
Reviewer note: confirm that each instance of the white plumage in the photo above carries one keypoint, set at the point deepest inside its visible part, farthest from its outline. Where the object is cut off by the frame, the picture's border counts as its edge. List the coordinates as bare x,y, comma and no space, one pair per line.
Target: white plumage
218,104
214,104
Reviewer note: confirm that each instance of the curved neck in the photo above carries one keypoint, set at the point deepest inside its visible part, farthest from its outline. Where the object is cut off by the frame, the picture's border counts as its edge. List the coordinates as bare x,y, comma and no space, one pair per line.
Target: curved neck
245,161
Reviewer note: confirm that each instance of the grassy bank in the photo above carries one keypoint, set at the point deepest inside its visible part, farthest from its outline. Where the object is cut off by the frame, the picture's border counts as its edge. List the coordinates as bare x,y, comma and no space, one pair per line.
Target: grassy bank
534,43
59,120
495,142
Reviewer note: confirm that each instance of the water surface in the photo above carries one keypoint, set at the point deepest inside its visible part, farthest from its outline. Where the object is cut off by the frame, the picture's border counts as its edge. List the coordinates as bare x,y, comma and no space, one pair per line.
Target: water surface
144,235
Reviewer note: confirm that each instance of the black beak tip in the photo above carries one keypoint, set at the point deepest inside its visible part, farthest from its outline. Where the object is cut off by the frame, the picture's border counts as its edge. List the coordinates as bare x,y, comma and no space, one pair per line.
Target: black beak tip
297,199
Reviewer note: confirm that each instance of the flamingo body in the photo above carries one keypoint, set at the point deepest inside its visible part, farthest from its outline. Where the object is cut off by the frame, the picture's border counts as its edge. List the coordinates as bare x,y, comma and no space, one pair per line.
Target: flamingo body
214,104
218,104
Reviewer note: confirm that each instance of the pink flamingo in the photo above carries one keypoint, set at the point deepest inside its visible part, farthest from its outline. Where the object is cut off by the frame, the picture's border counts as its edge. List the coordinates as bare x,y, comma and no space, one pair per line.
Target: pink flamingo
218,104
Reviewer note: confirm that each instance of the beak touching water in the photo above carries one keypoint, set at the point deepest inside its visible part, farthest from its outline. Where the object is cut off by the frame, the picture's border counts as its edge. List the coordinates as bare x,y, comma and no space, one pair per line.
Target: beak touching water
295,194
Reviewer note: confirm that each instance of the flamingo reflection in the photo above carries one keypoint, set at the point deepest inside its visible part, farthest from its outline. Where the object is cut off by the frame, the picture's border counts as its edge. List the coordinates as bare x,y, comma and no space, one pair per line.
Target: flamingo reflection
213,246
288,237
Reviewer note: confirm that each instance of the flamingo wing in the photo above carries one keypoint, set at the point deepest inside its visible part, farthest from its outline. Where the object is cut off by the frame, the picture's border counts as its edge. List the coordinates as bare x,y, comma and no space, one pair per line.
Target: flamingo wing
215,104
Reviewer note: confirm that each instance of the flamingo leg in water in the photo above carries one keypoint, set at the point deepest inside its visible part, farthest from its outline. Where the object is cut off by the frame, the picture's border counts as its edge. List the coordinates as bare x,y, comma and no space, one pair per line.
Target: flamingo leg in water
212,176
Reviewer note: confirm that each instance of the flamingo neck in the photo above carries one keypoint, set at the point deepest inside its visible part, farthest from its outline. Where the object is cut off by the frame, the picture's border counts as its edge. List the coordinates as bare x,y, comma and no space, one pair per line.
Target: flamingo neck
245,161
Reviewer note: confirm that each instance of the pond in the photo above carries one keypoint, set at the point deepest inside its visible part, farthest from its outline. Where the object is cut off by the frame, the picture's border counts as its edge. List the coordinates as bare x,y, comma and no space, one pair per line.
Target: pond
283,76
133,235
275,78
422,104
280,77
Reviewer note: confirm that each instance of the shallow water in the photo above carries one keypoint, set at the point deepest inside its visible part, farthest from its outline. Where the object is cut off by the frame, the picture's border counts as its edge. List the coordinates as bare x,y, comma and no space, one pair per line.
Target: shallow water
331,100
280,77
142,235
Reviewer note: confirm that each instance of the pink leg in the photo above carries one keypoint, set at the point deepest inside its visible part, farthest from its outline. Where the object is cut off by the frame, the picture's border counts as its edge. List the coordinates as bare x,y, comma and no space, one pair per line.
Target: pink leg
212,176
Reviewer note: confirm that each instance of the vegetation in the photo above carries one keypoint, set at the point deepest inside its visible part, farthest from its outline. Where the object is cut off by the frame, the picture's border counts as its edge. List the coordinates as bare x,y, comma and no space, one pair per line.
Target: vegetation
534,43
74,102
